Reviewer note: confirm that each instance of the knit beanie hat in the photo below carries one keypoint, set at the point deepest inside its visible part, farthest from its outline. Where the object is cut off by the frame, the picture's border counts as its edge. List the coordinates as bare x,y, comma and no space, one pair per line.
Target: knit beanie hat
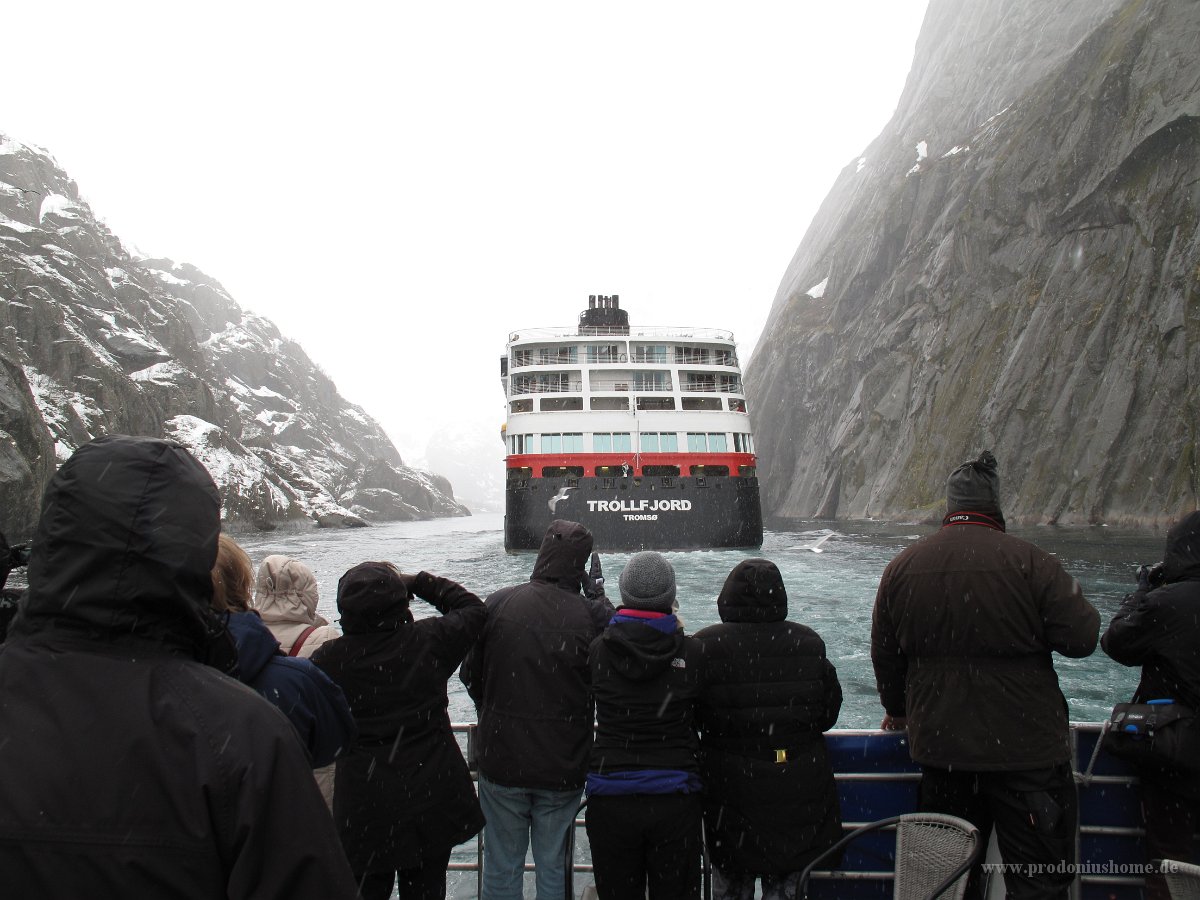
975,487
648,582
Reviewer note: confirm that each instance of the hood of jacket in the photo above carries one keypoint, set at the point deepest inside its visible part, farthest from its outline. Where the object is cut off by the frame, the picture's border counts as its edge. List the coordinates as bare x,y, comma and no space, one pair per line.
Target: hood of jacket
563,556
372,597
639,651
753,592
286,591
1181,561
256,646
125,546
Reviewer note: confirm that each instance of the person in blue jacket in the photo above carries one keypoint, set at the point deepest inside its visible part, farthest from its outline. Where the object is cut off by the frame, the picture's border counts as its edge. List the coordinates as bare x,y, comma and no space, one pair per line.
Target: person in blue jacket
310,699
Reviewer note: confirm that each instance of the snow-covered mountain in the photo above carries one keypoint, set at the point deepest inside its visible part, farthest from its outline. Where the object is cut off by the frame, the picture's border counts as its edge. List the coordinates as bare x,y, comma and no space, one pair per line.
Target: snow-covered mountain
95,341
472,457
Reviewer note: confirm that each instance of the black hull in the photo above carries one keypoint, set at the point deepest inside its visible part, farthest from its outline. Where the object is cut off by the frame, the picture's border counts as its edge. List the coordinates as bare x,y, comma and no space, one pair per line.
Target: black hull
681,513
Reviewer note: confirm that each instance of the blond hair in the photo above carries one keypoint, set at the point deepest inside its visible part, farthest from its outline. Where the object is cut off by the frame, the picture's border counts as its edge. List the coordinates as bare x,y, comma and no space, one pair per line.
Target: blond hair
232,577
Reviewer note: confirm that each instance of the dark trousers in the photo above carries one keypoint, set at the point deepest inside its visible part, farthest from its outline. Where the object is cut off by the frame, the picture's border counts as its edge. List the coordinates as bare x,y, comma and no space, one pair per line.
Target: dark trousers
645,845
1171,820
1034,814
426,882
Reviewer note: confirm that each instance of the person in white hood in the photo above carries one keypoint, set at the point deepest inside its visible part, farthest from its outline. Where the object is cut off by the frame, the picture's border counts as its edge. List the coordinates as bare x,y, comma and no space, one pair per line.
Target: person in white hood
285,596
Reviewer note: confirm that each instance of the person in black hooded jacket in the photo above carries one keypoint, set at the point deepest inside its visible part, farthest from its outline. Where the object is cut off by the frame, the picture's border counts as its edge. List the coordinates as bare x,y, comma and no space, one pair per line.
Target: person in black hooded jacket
402,796
1158,628
770,802
134,767
643,784
528,676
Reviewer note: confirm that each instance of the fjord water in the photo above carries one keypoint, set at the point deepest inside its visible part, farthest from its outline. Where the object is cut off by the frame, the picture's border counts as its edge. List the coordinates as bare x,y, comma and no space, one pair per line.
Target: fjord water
832,590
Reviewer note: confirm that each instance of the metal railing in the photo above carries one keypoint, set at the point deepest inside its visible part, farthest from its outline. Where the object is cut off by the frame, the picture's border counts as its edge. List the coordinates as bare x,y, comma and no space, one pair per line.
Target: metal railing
876,779
648,331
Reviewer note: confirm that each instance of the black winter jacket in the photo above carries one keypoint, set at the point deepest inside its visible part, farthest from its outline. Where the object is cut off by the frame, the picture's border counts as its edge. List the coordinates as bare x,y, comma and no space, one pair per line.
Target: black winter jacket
770,802
1159,630
965,624
646,684
404,788
130,768
528,675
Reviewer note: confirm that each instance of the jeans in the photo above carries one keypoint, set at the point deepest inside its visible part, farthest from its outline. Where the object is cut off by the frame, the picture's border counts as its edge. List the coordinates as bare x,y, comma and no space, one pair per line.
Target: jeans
516,818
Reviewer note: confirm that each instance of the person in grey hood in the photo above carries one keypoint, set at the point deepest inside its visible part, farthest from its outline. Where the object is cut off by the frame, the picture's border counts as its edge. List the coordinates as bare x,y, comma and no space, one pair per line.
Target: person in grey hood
135,766
528,676
770,802
643,785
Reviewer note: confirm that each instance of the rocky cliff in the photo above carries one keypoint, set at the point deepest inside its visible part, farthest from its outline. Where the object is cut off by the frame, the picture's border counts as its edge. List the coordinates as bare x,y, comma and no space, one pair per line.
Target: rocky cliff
95,341
1013,264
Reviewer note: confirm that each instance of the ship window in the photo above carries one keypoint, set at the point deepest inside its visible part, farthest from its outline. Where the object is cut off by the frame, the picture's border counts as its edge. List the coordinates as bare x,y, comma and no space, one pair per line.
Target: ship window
557,355
747,471
737,404
519,406
650,353
691,355
610,471
666,471
709,470
659,442
611,442
561,404
653,403
604,353
724,358
742,443
702,403
560,471
610,403
697,443
718,443
520,443
651,381
562,443
522,358
520,473
707,443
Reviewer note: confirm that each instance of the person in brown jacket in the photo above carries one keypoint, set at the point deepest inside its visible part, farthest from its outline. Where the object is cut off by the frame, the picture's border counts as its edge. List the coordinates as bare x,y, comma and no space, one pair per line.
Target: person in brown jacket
965,624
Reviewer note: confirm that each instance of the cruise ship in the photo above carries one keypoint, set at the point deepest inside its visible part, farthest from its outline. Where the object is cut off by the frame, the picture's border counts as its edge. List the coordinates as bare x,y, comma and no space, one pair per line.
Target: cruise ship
641,434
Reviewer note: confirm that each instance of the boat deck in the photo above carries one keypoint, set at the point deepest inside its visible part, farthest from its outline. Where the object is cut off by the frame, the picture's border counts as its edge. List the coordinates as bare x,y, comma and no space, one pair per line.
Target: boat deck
876,779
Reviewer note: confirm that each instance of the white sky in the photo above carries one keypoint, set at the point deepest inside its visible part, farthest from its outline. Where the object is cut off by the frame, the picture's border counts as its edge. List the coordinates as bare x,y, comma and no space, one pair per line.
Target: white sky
400,185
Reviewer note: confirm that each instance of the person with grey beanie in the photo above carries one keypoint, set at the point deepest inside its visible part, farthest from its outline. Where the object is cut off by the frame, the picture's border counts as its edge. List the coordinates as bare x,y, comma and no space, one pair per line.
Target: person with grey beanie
643,785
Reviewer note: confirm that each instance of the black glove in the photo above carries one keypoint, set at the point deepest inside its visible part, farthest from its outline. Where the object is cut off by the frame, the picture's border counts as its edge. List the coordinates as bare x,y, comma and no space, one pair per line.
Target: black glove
593,580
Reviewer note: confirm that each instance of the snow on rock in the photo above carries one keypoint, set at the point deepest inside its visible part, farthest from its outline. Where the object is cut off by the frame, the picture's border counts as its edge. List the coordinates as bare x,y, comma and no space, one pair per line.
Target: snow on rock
817,291
58,205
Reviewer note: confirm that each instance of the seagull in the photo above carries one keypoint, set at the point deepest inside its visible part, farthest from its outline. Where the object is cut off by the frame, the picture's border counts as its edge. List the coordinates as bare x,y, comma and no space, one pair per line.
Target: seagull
815,546
561,495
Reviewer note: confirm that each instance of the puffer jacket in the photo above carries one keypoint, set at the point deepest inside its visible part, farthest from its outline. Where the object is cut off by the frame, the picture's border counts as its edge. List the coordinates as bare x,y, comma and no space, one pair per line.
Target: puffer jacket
646,678
404,789
312,702
132,768
285,595
770,801
528,675
964,626
1159,630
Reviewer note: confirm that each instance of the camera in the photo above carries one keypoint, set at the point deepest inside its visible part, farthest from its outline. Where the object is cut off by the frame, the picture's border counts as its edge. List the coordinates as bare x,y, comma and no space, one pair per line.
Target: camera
18,555
1150,577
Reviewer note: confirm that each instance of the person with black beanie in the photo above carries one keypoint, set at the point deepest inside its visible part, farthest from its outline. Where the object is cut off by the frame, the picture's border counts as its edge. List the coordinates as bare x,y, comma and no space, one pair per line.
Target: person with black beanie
965,625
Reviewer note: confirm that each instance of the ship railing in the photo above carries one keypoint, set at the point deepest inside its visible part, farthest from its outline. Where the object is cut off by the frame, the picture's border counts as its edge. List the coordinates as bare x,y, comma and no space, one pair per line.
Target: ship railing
646,331
560,387
877,779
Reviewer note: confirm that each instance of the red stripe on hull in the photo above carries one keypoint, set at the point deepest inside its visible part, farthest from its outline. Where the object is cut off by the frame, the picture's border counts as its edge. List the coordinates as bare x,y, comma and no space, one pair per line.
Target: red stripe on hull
636,461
